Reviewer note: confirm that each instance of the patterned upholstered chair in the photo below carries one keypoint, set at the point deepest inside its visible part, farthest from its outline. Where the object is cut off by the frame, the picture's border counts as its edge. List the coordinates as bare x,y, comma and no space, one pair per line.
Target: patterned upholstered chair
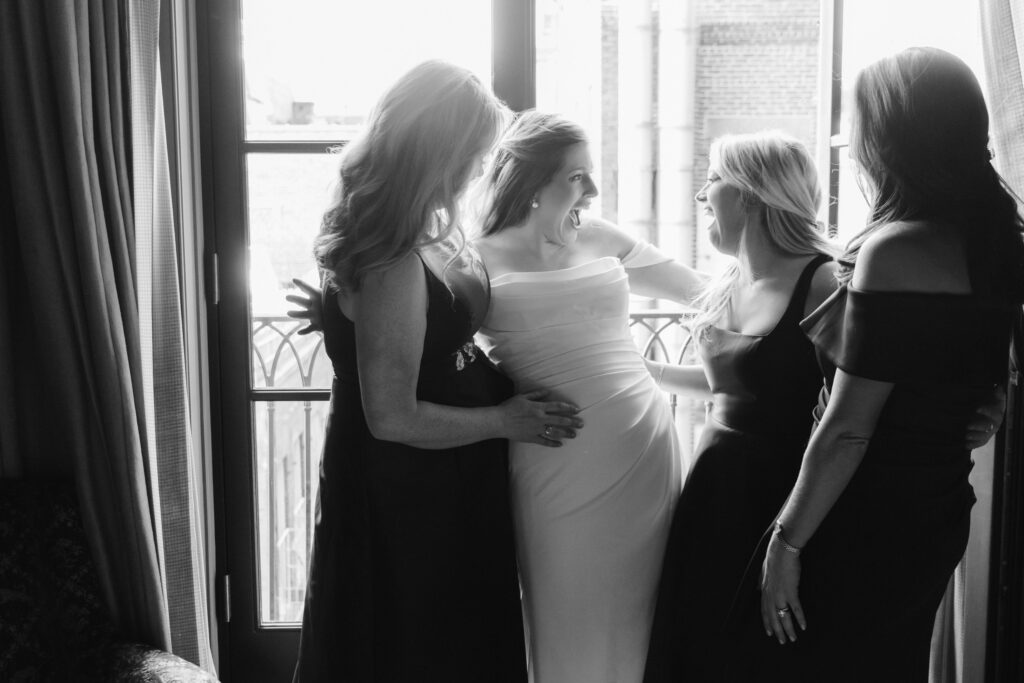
53,623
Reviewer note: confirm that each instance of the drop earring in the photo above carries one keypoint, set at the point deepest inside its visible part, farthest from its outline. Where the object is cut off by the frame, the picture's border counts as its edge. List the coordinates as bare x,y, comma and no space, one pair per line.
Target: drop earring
535,204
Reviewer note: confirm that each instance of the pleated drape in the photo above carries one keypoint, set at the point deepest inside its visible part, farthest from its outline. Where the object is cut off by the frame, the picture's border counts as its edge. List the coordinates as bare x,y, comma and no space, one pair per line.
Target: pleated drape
91,352
72,277
176,481
1003,42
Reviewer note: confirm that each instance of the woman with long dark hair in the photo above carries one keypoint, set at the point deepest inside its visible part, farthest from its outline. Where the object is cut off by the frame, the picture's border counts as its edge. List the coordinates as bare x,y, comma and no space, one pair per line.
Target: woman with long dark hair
917,334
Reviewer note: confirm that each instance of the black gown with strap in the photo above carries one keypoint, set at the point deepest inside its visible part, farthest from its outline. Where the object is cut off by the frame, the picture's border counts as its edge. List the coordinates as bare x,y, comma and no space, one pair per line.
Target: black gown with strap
764,389
874,573
413,574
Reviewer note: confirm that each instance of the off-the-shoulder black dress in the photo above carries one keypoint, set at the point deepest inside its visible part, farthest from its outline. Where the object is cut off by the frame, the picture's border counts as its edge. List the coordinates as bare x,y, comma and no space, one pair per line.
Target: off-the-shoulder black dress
413,574
876,569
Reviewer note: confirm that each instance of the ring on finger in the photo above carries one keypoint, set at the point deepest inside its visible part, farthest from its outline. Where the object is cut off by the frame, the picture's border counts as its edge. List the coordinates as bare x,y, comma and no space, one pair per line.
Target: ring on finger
547,431
782,611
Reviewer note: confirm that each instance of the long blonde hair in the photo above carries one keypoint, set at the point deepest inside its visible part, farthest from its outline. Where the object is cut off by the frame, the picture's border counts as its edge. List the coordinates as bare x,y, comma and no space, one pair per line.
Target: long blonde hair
774,172
400,180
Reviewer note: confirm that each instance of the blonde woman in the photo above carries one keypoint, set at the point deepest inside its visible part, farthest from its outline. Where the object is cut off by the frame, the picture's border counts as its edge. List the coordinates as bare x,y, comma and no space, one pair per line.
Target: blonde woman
413,574
761,374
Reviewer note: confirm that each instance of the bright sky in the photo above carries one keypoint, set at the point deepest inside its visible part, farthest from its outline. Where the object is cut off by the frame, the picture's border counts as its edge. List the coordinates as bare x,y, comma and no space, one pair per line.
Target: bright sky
324,51
340,53
892,25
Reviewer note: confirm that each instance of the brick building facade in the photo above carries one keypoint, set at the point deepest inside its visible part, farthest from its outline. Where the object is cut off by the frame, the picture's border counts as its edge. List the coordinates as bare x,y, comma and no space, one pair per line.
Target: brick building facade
757,67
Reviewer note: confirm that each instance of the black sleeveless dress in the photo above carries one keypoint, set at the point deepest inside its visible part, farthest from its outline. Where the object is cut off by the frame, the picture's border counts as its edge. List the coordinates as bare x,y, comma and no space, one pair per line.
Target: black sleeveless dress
413,574
874,573
765,389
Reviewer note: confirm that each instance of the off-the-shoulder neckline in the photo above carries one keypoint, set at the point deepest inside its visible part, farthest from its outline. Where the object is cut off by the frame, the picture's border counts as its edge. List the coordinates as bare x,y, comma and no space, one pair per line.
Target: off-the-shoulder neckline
901,292
542,274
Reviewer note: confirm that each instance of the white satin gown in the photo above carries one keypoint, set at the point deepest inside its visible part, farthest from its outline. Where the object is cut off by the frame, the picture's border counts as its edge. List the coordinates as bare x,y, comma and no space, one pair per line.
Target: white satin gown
591,517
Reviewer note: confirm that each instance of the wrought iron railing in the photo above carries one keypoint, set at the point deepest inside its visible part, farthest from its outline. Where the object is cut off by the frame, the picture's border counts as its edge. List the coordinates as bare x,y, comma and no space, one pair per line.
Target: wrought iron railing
291,377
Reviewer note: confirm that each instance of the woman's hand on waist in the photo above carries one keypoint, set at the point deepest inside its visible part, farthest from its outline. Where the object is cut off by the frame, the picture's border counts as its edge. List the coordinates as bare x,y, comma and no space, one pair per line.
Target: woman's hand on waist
530,418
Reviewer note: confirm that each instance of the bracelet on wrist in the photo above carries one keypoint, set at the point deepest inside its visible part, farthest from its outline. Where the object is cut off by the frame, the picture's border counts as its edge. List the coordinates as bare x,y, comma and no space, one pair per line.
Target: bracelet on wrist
786,545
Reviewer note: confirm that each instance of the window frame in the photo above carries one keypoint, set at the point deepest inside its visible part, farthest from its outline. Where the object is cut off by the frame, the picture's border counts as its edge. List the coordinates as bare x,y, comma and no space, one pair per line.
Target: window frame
249,650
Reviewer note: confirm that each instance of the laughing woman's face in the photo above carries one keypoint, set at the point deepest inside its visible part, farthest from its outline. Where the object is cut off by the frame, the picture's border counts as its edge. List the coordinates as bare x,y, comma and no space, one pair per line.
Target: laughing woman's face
571,190
724,204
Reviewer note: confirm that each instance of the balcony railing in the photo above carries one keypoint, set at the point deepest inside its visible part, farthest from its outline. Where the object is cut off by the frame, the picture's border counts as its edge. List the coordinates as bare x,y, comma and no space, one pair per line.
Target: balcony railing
291,377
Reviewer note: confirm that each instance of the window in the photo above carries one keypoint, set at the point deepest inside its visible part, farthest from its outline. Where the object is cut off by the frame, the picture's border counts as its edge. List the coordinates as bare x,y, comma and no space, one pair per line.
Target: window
288,84
310,80
872,29
652,81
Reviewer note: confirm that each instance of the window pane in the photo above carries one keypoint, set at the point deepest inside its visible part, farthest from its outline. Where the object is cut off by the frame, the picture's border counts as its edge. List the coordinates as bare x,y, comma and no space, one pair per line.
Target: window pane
287,194
654,82
313,68
952,25
284,359
289,438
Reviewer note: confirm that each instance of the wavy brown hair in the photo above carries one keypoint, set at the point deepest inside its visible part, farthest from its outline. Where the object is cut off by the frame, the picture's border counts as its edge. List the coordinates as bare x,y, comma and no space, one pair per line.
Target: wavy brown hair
525,160
401,178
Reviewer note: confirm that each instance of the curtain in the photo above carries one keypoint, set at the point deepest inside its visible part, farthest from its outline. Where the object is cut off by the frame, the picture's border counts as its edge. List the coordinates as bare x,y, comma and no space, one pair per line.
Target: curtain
179,523
91,345
1003,41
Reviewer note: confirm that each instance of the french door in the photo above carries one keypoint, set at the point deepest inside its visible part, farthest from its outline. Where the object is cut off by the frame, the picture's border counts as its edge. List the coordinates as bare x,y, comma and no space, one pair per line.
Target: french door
285,86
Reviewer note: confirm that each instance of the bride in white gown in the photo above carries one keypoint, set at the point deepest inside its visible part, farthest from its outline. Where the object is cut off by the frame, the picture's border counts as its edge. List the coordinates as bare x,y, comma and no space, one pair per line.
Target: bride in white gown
591,517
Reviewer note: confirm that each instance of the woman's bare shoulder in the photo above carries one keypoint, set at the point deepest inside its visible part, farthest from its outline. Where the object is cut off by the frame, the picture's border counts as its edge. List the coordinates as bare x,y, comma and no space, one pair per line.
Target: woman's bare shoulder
922,256
823,284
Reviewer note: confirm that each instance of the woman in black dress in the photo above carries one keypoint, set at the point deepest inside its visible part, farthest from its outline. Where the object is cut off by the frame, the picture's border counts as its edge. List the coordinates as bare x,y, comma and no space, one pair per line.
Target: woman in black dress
413,574
763,378
918,334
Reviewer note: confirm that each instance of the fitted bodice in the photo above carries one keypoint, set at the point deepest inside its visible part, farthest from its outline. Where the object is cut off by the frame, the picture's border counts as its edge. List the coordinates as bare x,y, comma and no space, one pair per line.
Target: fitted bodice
591,516
559,329
944,353
451,369
765,384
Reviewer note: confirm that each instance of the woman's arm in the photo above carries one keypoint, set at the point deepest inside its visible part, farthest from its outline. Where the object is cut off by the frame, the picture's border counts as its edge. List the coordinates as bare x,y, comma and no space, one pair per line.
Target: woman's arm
669,280
685,380
833,455
391,321
893,259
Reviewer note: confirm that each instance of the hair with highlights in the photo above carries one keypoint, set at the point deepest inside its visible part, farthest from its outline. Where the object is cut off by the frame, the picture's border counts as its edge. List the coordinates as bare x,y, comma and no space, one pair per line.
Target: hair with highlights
774,172
401,178
526,158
